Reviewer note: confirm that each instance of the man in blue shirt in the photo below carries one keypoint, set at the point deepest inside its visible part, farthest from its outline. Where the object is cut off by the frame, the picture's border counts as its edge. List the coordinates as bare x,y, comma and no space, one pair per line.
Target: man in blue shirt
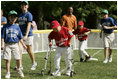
108,26
3,19
25,21
11,35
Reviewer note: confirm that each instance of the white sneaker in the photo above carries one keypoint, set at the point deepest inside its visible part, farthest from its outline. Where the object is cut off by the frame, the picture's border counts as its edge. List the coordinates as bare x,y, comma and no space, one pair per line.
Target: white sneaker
56,73
68,73
34,66
20,73
7,76
105,61
110,59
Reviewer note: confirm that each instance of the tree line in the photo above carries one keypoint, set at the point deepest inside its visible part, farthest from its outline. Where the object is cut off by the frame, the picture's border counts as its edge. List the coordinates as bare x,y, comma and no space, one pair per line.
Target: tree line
45,11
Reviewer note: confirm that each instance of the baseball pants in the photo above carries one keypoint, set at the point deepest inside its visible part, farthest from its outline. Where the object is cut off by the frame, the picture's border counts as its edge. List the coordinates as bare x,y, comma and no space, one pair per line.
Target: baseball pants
65,52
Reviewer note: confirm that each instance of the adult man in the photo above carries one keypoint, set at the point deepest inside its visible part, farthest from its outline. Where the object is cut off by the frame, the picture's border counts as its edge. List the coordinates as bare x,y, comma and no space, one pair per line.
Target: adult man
69,20
25,20
108,26
62,36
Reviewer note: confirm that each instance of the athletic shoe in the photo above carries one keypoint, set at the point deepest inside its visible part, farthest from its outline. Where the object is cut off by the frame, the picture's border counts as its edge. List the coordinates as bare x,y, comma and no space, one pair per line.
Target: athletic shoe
87,58
68,73
81,59
34,66
7,76
110,59
105,61
20,73
56,73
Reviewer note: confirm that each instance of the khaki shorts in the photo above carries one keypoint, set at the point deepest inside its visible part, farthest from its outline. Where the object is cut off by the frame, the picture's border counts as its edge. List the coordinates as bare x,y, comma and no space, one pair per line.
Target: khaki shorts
11,49
108,40
29,40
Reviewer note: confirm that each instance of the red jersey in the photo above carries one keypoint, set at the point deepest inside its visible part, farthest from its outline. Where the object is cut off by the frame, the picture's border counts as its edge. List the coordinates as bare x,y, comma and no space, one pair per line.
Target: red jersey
80,33
62,37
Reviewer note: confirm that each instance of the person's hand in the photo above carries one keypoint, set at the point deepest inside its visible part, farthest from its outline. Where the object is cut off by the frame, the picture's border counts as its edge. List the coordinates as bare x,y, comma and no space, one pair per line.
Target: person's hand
25,47
50,44
115,27
25,38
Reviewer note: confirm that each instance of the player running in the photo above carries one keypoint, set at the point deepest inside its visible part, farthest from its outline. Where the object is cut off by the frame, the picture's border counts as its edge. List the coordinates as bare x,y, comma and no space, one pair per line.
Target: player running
11,35
82,33
108,26
62,36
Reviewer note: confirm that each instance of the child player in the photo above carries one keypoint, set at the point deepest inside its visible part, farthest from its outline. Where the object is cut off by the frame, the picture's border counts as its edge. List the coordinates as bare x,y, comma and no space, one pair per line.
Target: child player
11,35
82,33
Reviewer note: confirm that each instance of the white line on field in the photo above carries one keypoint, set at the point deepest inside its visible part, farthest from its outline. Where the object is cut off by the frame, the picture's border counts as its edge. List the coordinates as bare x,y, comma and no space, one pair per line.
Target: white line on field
96,53
74,64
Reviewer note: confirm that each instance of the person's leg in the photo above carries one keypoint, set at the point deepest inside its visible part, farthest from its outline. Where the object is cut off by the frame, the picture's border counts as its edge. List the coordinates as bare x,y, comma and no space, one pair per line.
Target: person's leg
105,54
31,54
20,49
110,55
80,53
7,69
66,53
18,68
57,58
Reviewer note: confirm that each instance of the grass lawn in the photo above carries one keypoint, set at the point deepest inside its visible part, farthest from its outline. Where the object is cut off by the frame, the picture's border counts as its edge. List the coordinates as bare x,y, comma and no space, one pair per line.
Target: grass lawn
84,70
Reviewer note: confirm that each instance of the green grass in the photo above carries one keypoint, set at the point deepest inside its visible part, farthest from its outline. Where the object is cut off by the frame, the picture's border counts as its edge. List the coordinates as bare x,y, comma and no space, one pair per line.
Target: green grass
84,70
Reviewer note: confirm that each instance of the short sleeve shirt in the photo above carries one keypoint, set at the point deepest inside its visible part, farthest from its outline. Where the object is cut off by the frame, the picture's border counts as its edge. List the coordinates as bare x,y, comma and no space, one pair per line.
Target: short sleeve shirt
61,38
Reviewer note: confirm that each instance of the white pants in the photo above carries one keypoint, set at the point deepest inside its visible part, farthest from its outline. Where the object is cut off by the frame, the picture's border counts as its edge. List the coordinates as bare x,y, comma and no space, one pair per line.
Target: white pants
65,52
82,46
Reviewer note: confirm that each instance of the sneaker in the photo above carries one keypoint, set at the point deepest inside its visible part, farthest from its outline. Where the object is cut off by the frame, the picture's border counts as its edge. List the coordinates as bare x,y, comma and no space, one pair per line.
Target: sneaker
87,58
34,66
56,73
7,76
105,61
81,59
20,73
110,59
68,73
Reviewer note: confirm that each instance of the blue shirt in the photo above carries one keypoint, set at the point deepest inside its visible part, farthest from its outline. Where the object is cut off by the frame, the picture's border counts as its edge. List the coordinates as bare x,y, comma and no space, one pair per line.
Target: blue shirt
23,20
108,22
11,33
3,19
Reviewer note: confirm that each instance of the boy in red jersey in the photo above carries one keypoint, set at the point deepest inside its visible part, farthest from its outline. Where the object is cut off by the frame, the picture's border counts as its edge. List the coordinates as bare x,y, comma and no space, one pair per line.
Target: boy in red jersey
82,33
62,36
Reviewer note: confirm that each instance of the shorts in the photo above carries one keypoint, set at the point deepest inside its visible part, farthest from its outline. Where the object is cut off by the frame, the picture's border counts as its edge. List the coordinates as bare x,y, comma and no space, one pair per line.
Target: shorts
29,40
11,49
108,39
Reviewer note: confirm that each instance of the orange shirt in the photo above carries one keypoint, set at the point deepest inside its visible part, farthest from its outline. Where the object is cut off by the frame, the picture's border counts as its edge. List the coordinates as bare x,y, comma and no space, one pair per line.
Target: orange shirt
69,21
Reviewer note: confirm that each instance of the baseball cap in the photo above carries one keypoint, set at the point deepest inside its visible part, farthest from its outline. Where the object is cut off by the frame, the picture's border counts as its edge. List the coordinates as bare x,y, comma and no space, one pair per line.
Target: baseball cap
12,12
81,23
105,11
54,24
25,2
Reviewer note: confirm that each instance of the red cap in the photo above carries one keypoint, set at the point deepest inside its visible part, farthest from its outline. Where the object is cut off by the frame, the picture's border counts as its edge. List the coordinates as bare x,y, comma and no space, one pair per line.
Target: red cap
54,24
81,23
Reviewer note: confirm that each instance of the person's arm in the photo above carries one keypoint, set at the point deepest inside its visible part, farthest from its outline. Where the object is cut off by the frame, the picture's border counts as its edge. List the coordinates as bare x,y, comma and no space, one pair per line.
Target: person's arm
27,31
3,23
113,27
2,43
33,26
63,22
25,47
